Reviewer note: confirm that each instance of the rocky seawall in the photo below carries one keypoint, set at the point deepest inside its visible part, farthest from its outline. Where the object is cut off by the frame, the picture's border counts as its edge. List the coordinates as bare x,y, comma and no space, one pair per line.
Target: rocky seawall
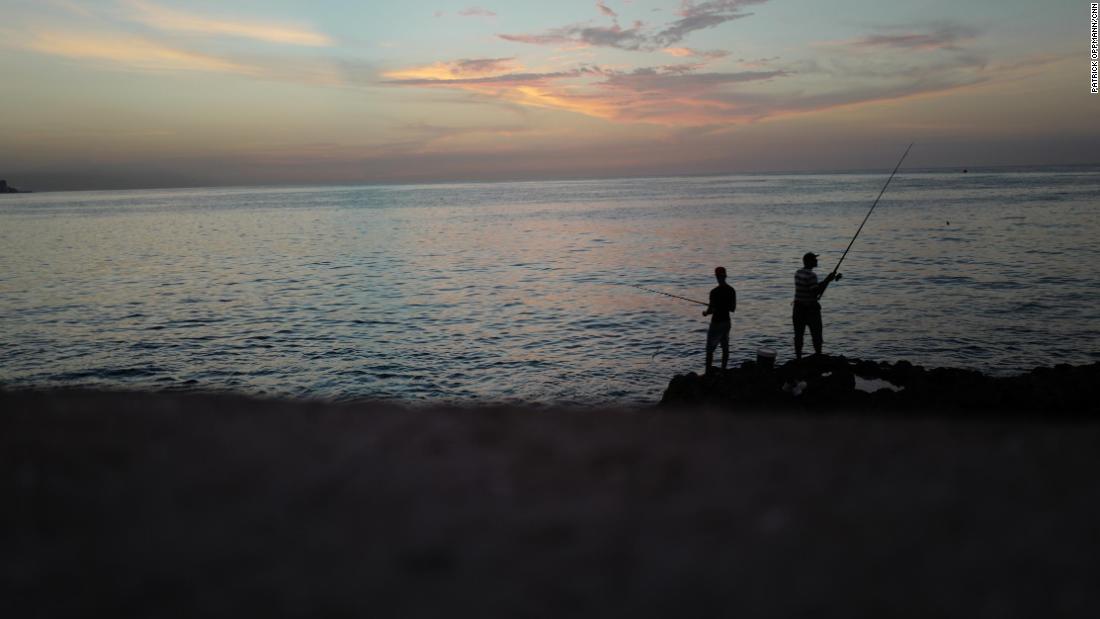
823,382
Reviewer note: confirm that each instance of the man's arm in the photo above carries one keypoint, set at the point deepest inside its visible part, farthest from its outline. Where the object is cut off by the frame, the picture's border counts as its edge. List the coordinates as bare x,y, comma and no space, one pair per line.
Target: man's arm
820,287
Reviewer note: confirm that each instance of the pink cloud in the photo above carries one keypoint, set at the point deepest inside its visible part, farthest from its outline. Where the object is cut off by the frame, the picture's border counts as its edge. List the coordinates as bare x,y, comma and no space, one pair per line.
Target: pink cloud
667,95
686,95
687,52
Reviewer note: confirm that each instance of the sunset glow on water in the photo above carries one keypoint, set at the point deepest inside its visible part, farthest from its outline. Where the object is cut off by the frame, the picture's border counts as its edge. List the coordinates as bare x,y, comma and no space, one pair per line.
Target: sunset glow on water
520,291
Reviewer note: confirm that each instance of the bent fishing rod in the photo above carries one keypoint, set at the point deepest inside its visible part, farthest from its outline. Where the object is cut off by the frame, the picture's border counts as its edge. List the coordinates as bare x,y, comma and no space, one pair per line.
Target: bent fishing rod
868,216
667,294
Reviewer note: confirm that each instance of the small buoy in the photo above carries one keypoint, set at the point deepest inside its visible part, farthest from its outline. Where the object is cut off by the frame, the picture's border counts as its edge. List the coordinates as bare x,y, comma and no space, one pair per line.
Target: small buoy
765,358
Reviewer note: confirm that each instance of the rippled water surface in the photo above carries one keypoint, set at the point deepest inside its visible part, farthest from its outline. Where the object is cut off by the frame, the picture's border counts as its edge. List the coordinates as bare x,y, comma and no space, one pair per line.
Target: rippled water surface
519,291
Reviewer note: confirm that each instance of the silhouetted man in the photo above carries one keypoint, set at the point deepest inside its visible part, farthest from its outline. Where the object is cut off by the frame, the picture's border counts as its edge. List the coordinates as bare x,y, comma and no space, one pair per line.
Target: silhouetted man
723,302
807,311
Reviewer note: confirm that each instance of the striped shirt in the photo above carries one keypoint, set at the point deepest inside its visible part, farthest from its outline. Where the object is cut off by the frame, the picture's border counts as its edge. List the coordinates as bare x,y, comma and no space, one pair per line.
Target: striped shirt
805,284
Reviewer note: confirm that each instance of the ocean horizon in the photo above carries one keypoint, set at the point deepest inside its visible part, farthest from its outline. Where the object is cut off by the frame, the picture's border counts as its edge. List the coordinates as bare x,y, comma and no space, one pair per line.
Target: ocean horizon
885,171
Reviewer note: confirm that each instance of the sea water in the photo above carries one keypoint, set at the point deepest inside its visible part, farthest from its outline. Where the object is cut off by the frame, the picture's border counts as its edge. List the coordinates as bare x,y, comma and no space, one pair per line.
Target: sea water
523,291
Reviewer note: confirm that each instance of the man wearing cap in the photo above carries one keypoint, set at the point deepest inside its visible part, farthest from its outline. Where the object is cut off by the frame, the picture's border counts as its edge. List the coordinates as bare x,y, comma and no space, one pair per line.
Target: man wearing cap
807,311
723,302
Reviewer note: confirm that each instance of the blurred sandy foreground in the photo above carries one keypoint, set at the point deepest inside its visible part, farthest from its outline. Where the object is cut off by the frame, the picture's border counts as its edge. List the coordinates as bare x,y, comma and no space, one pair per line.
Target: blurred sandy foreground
137,504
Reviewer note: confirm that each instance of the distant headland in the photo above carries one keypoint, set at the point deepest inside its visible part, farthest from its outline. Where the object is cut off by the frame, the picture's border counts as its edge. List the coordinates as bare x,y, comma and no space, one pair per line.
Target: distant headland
6,188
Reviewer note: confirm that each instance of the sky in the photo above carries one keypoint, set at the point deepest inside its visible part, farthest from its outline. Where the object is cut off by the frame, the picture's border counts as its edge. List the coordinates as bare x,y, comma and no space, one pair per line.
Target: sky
163,93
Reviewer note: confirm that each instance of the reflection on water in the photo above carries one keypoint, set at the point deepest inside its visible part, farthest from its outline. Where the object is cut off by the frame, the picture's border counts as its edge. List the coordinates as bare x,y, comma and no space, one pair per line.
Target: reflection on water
516,291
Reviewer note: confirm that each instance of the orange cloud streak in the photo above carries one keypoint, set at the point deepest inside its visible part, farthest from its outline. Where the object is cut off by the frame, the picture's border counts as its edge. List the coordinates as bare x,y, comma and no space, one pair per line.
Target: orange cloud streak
130,51
476,76
168,19
459,69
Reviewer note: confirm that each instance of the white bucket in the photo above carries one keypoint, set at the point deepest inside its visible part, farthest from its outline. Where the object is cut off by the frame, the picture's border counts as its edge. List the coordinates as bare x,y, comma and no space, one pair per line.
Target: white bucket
765,357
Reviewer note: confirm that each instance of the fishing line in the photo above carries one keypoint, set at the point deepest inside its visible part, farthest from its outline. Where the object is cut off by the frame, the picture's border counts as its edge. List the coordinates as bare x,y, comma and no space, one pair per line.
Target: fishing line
674,296
667,294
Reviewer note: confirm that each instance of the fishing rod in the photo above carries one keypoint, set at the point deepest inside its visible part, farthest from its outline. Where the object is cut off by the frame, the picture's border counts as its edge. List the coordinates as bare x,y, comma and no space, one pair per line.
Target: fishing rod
868,216
667,294
844,255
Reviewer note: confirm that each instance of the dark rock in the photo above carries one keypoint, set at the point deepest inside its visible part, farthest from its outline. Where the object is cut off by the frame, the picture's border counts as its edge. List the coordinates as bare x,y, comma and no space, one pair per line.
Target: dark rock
868,369
823,382
831,387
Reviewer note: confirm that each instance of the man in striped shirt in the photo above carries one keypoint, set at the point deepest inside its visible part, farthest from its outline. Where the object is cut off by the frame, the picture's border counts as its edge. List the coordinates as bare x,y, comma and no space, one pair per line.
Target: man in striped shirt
807,311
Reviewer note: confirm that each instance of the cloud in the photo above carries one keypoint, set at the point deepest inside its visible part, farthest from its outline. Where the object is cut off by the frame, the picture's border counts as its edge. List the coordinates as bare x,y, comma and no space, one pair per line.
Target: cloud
584,36
665,95
687,52
163,18
692,17
129,51
466,68
509,78
682,79
890,58
476,11
757,63
687,95
135,53
680,95
499,79
940,36
702,16
472,69
481,65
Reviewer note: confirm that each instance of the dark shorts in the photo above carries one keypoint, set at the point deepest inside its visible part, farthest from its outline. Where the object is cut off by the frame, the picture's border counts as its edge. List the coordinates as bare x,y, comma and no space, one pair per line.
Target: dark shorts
718,333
